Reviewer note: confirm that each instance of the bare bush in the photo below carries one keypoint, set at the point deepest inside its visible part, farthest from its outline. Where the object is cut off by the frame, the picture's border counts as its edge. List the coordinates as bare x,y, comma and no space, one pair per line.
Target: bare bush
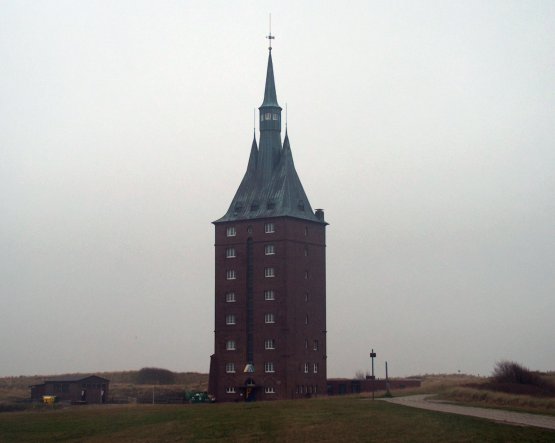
151,376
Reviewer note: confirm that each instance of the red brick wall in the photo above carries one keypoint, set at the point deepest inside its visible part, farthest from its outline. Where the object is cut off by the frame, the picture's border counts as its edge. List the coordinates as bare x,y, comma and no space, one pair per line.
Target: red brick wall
297,274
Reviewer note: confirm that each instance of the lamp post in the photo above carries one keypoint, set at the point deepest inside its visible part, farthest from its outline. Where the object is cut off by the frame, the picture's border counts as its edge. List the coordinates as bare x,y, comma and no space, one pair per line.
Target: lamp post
372,356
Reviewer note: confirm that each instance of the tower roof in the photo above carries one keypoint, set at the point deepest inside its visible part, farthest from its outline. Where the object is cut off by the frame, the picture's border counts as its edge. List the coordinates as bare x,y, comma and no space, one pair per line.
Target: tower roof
270,188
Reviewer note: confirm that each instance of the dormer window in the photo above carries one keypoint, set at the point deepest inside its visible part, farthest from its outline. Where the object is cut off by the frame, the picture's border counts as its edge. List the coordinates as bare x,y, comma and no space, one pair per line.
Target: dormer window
254,207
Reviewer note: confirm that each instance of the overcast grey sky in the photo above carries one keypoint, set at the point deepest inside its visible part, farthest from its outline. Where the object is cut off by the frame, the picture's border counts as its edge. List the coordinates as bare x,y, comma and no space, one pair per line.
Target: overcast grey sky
425,129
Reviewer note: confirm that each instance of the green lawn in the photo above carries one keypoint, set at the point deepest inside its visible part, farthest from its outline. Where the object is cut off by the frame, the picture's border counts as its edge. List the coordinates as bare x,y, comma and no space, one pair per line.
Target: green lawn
333,420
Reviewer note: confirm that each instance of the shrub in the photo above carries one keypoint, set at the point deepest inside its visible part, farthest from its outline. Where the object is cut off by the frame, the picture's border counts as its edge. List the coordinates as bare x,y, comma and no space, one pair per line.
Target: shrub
152,376
511,372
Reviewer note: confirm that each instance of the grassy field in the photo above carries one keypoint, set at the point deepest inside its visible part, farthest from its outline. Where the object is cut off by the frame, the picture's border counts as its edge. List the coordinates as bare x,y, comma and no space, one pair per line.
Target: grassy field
346,419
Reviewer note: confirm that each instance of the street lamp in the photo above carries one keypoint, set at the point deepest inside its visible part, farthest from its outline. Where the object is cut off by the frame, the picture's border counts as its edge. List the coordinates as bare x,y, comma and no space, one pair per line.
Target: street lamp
372,357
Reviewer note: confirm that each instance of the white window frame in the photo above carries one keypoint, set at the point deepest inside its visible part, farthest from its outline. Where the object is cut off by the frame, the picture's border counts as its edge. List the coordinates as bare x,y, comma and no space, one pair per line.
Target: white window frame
268,115
230,297
270,344
230,345
306,368
230,368
269,249
230,319
269,295
269,318
315,368
274,116
269,272
269,367
231,231
269,228
269,390
230,253
230,390
315,345
230,274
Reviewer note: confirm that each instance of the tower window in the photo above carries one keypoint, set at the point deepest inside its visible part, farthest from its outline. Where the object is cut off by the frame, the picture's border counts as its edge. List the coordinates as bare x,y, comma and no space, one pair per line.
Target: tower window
230,297
269,390
230,232
261,117
269,295
269,343
268,116
306,368
269,228
230,345
269,318
315,368
275,116
230,319
269,250
230,253
230,368
269,366
269,272
230,274
315,347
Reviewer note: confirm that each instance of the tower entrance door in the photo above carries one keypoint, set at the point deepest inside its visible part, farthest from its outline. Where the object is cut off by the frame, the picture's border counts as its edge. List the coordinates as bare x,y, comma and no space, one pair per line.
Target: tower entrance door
250,390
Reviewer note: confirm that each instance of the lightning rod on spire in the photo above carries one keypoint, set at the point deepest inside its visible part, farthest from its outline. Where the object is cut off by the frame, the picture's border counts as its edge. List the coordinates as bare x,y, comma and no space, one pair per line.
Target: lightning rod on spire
270,37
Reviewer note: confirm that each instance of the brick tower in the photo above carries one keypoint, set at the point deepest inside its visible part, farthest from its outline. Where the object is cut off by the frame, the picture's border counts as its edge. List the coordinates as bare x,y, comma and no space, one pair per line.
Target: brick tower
270,284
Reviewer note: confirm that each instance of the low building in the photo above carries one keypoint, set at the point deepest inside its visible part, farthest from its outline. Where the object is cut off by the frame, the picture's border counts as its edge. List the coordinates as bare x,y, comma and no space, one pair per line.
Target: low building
343,386
78,389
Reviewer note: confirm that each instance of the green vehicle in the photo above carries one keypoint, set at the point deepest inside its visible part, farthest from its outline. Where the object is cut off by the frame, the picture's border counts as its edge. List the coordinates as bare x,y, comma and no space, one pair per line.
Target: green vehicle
198,397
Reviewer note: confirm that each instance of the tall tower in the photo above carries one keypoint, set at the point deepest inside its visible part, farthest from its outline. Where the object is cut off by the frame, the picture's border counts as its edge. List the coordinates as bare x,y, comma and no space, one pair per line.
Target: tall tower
270,284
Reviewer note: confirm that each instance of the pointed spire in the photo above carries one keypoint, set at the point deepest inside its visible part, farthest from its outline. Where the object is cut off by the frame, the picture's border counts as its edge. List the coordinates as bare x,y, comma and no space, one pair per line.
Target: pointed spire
253,158
286,145
270,96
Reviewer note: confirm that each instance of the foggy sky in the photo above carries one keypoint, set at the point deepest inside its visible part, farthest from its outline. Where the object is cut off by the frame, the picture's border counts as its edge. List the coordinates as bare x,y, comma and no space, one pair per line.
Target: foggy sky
424,129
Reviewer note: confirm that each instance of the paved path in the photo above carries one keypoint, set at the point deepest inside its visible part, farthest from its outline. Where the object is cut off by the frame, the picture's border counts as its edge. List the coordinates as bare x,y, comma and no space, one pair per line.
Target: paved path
516,418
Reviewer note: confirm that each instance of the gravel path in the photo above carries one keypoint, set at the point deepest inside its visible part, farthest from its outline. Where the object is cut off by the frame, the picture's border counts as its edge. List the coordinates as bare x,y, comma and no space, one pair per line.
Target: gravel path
516,418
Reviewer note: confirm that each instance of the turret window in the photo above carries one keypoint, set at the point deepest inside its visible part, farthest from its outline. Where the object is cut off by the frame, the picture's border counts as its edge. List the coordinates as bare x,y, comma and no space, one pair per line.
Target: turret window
269,228
268,116
275,116
230,232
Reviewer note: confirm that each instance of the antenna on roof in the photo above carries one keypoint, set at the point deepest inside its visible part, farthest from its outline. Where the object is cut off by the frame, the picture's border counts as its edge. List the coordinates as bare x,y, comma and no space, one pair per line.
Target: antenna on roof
285,116
270,37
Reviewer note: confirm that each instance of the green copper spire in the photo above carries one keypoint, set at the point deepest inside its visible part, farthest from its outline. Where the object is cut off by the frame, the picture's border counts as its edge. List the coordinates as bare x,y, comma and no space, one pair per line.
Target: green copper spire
270,96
